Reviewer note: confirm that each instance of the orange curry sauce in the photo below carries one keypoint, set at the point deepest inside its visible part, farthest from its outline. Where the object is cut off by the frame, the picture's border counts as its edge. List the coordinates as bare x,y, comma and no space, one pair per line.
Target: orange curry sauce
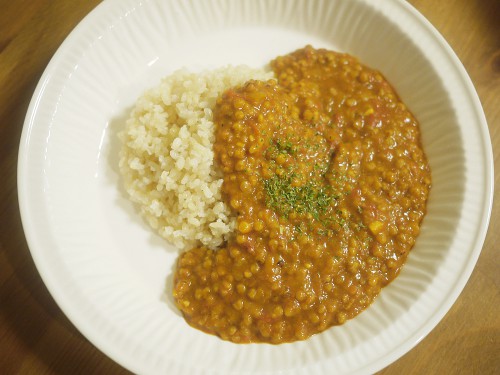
325,171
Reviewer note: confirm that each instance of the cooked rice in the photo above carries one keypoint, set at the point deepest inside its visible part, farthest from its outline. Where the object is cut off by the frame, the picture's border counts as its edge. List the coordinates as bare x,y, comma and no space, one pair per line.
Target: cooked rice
167,157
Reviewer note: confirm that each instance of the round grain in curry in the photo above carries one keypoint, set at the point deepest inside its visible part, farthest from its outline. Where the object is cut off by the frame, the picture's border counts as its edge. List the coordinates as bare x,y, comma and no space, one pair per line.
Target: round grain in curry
326,174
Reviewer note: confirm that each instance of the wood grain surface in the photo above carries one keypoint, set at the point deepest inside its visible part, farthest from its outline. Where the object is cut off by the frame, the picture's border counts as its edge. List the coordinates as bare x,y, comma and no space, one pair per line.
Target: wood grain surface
36,337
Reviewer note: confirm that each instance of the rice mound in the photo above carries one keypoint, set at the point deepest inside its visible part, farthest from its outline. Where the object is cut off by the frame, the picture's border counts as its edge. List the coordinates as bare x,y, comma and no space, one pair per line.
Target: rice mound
167,159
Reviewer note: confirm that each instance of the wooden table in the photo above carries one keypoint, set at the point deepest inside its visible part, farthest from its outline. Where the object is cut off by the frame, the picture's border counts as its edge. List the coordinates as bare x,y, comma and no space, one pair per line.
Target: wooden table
36,337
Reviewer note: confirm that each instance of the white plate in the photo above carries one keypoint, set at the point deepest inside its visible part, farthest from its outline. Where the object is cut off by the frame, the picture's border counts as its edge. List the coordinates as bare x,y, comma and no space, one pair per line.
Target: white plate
111,274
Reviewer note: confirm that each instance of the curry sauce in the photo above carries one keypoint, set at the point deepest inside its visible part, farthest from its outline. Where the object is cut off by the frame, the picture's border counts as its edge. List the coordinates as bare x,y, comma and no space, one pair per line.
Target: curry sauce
325,171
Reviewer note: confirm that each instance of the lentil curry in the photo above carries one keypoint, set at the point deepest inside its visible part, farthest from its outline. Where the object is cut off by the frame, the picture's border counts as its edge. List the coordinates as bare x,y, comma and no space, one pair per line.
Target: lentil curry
325,170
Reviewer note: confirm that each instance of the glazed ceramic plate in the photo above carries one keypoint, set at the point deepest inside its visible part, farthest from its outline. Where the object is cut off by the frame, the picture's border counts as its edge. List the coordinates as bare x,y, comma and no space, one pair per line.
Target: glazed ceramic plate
111,274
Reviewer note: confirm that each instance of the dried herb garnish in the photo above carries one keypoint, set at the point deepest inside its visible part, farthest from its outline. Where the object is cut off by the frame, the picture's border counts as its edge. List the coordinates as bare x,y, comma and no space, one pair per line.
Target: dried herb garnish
284,197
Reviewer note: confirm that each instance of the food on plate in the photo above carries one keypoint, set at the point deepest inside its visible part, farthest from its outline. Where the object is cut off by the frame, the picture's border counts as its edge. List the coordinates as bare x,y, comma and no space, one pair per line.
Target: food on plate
323,171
